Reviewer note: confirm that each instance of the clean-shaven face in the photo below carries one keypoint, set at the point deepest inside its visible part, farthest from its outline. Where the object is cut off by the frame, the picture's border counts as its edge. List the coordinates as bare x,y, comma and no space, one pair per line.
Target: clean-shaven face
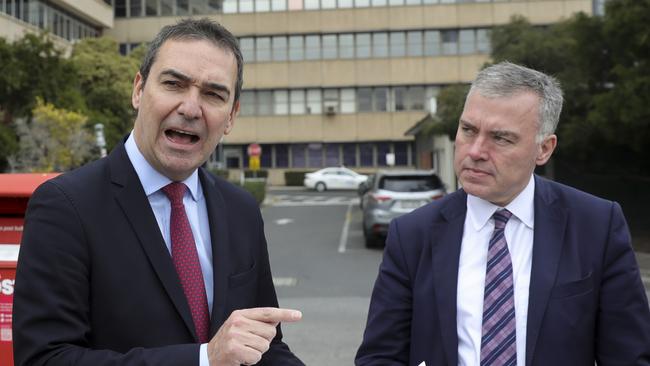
496,151
186,105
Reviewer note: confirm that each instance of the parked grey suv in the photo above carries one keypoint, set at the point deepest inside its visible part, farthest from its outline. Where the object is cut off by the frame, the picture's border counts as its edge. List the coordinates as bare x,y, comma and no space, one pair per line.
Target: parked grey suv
392,193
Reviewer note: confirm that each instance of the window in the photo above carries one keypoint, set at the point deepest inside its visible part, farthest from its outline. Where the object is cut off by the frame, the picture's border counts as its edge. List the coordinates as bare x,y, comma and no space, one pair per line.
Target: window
279,48
366,152
383,148
395,2
213,6
380,45
363,45
432,43
247,103
297,101
401,153
329,46
182,7
450,42
364,99
119,6
346,3
378,2
264,103
415,98
230,6
400,98
414,43
262,5
263,49
361,3
266,159
315,155
350,155
151,8
328,4
331,100
380,99
136,8
332,156
247,46
483,41
298,155
296,50
246,6
279,5
348,101
281,156
281,102
467,42
295,4
314,103
397,44
312,47
312,4
346,46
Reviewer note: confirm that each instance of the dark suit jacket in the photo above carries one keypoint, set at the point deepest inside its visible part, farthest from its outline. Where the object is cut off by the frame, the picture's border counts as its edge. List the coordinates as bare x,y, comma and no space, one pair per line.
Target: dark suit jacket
587,302
95,284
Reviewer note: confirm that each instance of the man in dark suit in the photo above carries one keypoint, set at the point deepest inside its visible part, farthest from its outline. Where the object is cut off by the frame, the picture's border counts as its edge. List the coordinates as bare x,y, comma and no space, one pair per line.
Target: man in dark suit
512,269
144,258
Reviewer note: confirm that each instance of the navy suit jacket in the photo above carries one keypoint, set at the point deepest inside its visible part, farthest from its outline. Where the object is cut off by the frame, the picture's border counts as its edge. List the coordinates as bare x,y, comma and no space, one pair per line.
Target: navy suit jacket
96,285
587,302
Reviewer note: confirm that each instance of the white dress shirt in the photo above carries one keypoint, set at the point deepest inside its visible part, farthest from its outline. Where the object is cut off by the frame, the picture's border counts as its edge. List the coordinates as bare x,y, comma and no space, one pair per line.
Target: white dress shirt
477,231
195,207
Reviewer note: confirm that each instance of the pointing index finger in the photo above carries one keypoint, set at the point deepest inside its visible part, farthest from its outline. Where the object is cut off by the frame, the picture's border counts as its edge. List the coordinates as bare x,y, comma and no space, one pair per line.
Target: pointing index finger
273,315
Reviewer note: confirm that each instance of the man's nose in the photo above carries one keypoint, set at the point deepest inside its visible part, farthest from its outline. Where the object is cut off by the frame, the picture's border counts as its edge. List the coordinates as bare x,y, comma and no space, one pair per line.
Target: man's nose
190,106
478,149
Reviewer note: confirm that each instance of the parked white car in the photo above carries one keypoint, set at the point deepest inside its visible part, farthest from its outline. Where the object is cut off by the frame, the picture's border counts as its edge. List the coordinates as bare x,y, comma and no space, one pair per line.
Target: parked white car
334,178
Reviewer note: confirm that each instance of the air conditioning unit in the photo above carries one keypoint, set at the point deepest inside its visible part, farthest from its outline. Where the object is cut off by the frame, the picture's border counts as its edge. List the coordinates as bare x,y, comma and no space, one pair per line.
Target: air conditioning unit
330,108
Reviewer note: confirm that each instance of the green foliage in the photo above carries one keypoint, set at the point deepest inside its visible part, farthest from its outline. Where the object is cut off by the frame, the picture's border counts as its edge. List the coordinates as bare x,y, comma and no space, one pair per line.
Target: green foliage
106,78
295,178
256,187
55,140
451,100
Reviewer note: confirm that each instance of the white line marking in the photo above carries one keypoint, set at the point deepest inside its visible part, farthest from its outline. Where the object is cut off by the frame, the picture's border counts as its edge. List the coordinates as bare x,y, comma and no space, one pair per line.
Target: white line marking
344,234
283,221
284,281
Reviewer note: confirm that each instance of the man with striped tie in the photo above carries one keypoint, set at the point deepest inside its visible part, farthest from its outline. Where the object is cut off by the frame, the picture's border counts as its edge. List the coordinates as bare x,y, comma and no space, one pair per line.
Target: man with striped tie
512,269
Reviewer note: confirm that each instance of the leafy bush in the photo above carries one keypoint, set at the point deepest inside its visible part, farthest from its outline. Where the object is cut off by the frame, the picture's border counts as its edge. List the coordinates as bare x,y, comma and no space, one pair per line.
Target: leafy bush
256,187
259,174
294,178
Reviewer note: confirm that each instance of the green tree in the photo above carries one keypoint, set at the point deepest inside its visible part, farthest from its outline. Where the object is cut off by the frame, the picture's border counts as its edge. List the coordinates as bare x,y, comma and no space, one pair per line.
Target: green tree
55,140
450,101
106,78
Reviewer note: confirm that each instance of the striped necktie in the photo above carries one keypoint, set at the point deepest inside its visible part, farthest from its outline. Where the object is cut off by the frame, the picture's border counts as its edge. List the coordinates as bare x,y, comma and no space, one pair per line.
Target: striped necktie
498,346
186,260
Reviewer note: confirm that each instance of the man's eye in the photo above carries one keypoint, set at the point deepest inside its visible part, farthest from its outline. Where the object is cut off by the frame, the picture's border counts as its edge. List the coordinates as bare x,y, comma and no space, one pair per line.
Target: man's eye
502,140
214,95
171,83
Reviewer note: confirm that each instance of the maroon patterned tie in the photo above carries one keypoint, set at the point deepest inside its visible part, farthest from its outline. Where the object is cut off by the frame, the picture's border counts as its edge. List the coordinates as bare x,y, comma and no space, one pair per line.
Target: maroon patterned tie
186,260
498,342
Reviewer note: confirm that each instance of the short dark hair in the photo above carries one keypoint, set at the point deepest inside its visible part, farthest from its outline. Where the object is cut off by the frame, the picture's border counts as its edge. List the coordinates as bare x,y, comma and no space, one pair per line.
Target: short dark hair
195,29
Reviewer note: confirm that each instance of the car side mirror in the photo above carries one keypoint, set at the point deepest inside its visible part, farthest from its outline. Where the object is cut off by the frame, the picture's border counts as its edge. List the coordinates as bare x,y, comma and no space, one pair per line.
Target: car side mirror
363,188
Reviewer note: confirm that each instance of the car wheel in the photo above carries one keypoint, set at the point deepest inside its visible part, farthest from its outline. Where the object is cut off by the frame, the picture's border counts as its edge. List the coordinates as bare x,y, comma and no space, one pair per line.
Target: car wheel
320,187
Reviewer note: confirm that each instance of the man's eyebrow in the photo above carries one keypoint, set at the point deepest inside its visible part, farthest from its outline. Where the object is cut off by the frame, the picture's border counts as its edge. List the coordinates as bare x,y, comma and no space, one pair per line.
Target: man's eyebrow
177,74
207,85
503,133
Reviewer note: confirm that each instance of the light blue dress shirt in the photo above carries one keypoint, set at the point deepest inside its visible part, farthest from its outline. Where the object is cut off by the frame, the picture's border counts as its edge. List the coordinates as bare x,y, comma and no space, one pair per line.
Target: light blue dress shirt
195,207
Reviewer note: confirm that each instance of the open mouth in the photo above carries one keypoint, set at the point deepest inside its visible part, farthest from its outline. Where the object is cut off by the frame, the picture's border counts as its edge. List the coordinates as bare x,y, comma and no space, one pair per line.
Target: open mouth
181,137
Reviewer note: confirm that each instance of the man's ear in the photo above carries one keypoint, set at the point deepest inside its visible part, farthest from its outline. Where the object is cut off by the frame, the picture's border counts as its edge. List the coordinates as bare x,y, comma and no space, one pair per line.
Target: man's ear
136,93
546,148
231,119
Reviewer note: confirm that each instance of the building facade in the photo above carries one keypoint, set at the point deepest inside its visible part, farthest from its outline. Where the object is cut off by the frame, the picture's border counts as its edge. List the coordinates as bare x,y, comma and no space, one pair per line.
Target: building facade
326,82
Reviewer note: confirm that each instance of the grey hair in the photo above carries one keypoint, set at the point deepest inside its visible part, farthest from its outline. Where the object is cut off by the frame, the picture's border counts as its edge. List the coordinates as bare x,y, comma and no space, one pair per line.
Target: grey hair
195,29
506,79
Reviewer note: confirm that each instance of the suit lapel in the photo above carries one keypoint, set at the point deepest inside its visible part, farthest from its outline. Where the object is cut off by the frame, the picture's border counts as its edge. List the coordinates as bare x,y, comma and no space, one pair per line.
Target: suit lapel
130,195
446,241
218,218
550,223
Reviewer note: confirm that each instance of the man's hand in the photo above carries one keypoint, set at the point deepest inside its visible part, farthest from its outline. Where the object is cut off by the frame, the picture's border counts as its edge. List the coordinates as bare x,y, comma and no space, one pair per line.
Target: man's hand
246,335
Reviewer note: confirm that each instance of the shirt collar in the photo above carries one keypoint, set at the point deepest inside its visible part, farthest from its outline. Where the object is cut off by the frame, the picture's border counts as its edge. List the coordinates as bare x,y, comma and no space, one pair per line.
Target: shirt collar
152,180
523,207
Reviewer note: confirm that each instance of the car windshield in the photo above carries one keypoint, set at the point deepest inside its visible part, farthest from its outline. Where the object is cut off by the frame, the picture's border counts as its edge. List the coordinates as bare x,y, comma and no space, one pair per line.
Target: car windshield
410,183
